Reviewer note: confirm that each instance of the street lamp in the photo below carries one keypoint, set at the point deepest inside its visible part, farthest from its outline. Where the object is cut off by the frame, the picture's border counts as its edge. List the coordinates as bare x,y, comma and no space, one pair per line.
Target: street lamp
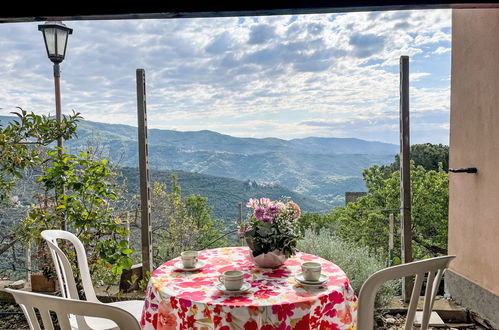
55,35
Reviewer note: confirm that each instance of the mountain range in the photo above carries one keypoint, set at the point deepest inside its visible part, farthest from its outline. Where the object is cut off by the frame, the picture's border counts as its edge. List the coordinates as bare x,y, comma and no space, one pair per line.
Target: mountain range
318,167
322,168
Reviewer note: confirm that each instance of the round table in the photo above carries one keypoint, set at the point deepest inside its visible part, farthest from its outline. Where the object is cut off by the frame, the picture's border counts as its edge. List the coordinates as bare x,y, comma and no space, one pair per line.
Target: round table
189,300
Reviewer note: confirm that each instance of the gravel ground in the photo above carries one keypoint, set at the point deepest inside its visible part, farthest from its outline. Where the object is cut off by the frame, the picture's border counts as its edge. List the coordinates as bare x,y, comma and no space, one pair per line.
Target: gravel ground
397,321
12,317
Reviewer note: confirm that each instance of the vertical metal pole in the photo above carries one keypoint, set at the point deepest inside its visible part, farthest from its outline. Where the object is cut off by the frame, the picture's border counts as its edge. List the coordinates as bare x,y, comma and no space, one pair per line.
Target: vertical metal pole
145,192
127,226
405,175
390,238
58,111
240,221
240,209
58,117
28,263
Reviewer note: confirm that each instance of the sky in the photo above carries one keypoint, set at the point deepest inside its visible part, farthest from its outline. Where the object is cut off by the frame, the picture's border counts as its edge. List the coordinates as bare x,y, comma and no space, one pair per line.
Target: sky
294,76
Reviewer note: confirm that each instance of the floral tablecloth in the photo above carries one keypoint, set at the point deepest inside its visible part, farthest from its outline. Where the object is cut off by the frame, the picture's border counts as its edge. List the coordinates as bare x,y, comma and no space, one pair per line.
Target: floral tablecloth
190,300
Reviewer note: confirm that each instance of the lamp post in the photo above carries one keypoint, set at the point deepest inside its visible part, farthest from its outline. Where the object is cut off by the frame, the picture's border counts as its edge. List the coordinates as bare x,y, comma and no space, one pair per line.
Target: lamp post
55,35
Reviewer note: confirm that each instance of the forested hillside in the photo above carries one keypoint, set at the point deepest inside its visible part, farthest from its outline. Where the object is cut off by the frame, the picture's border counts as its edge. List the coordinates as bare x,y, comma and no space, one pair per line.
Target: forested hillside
224,194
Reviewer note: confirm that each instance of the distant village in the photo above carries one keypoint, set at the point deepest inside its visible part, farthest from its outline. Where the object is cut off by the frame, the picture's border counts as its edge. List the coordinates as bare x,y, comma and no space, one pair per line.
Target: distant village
253,184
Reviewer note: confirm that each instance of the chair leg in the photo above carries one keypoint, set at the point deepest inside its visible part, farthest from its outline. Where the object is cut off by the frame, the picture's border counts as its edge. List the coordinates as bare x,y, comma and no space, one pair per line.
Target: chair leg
427,301
413,304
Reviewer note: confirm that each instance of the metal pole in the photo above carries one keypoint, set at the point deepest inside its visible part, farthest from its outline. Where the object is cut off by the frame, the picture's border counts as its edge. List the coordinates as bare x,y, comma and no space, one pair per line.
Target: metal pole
58,117
390,239
145,191
28,263
405,175
58,111
240,221
127,227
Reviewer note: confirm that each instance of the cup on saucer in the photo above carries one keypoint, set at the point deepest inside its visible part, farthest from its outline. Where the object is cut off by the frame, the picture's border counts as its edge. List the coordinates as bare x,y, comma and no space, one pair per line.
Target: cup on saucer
311,271
233,280
189,259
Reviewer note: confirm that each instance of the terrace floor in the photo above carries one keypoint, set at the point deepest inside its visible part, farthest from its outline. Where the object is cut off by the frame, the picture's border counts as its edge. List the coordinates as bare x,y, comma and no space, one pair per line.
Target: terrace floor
453,315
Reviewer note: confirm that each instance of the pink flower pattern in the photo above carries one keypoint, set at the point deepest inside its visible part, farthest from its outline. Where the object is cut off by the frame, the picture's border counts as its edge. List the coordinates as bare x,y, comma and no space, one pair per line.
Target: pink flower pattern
190,300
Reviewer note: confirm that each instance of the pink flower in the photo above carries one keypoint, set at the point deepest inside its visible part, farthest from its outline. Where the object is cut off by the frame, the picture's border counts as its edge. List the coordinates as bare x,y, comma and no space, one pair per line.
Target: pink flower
267,327
259,213
166,319
251,325
196,283
265,294
344,315
284,326
194,296
267,218
296,209
303,324
253,203
278,273
264,201
336,298
273,210
242,231
237,301
283,311
190,321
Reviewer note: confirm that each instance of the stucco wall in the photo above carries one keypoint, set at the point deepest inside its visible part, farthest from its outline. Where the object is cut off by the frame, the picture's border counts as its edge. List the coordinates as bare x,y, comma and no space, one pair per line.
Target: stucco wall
474,142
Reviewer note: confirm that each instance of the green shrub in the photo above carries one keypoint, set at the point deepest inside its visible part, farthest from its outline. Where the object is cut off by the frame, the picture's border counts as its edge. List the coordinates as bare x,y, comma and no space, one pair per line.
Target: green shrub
317,221
355,261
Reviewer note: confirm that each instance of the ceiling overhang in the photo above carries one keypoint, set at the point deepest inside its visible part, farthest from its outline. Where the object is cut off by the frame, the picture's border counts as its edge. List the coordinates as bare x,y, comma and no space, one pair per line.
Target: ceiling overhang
141,10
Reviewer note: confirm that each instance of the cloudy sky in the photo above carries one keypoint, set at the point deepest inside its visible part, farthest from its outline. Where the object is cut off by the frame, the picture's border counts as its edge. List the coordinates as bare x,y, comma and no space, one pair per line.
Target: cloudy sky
334,75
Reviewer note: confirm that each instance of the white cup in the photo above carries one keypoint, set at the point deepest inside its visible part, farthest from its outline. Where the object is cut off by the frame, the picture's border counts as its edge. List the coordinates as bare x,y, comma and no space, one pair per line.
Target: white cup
232,279
311,271
189,259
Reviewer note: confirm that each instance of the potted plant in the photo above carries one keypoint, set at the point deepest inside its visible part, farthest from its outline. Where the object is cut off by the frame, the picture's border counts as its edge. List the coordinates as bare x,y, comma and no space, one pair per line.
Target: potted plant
45,279
271,231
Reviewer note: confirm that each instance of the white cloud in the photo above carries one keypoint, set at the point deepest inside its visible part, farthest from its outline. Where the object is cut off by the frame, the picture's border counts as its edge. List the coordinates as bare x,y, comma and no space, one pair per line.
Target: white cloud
442,50
216,73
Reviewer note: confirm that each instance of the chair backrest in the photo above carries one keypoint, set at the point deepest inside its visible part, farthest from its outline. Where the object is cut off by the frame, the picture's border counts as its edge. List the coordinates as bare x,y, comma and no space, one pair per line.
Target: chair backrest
64,308
434,267
63,266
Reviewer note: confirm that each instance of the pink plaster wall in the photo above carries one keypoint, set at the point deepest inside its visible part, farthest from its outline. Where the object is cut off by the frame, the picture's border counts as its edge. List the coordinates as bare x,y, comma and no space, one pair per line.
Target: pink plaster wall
474,142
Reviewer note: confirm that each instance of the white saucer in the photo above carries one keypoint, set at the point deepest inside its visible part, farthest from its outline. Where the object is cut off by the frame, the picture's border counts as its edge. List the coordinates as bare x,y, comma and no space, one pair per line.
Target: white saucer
180,266
323,279
246,286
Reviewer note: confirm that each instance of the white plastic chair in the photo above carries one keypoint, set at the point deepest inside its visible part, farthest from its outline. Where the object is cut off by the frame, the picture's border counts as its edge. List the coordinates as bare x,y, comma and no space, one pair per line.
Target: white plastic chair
106,317
434,267
66,276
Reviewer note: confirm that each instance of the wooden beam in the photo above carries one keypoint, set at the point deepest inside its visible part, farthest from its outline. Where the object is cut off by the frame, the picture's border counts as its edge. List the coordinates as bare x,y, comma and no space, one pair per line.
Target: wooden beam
18,12
405,175
145,192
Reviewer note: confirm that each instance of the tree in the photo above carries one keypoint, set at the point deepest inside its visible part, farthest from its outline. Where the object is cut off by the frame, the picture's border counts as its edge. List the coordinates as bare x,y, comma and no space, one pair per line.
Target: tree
366,220
428,155
22,142
180,224
87,201
316,222
87,205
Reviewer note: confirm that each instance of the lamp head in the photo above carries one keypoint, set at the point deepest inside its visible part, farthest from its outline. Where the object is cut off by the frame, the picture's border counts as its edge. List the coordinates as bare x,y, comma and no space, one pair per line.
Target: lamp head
55,35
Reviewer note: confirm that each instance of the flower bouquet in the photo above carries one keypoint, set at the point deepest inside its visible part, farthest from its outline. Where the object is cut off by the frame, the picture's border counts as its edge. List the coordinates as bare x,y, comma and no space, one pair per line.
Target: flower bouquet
271,231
